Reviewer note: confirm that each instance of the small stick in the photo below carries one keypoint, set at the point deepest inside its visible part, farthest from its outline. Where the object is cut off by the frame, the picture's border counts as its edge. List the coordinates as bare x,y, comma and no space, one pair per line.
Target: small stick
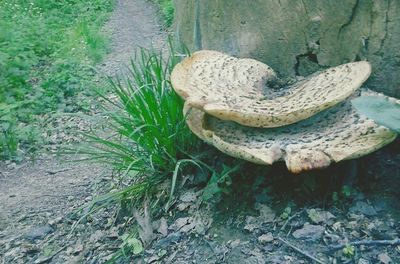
300,251
393,242
290,218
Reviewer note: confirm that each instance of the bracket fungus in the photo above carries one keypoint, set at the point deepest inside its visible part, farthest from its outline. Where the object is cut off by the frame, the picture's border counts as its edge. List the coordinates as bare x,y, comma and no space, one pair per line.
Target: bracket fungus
237,89
324,127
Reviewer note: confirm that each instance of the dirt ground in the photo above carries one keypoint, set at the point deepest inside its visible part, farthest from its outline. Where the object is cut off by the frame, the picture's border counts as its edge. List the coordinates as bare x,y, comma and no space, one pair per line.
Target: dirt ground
269,215
35,196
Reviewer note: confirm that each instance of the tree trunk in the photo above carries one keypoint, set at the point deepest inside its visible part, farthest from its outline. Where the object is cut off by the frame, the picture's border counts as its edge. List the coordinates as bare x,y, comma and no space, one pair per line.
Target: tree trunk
298,37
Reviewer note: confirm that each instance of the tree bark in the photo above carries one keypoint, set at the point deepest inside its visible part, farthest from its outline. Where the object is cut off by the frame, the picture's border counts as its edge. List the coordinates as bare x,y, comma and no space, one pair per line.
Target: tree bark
299,37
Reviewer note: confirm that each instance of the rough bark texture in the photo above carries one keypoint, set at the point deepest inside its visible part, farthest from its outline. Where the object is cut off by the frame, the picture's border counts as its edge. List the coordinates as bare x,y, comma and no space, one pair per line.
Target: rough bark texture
299,37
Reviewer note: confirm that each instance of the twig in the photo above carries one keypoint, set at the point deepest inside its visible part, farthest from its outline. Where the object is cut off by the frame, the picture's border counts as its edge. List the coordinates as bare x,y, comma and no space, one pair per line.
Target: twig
393,242
308,255
291,218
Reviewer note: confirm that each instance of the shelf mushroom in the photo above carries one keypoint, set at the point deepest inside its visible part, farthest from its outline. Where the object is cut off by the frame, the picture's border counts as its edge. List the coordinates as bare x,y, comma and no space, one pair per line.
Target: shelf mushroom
309,124
336,134
238,89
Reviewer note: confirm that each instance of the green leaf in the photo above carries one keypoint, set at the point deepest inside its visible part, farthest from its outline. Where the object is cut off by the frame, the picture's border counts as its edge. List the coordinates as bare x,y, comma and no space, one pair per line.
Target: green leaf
135,245
378,108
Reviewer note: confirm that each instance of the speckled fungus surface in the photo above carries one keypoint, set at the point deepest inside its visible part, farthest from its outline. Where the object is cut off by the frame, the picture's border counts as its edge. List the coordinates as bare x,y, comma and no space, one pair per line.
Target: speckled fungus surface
309,124
336,134
237,89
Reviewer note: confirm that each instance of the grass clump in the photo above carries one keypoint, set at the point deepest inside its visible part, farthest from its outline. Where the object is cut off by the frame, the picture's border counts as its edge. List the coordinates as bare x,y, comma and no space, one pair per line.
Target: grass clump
149,141
47,50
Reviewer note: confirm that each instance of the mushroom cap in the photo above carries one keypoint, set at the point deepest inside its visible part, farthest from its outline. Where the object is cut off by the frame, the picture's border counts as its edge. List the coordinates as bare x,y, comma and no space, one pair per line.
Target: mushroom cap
336,134
237,90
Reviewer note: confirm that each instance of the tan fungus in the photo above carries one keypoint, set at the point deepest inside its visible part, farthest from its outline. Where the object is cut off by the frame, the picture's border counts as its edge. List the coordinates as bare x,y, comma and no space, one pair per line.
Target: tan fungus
333,135
237,89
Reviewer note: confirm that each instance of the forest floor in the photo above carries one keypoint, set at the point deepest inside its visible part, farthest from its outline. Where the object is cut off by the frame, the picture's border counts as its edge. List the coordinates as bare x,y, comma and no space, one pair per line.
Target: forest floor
37,196
262,220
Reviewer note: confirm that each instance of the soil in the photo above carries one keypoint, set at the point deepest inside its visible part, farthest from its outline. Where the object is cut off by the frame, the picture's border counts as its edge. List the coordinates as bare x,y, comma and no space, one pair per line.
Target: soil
263,217
43,192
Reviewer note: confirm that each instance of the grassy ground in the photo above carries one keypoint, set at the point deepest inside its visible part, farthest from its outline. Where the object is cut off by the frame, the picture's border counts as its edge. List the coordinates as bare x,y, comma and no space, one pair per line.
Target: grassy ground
47,53
167,11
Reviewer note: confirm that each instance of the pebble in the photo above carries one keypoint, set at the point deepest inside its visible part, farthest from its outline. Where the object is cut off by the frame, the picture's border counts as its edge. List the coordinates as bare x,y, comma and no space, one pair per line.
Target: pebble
39,232
363,208
265,238
309,232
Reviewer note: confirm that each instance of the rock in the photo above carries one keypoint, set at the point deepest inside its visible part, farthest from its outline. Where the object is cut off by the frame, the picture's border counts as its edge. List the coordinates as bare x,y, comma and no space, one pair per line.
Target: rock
183,206
55,221
252,223
77,249
188,197
363,261
265,238
363,208
39,232
318,216
235,243
163,229
267,215
384,258
172,238
97,236
181,222
309,232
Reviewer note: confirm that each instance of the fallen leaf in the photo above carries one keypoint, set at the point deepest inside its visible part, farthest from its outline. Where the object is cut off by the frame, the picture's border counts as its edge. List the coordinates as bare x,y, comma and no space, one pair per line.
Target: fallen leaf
384,258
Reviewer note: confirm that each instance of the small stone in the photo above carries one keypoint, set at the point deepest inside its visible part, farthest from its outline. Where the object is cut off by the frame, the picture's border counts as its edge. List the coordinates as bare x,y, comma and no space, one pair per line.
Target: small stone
39,232
55,221
180,223
318,216
384,258
77,249
363,261
188,197
182,206
363,208
309,232
235,243
265,238
163,229
97,236
252,223
267,215
164,243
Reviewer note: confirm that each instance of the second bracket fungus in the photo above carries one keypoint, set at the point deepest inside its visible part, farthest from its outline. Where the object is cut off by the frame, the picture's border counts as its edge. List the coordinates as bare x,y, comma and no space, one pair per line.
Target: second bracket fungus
333,135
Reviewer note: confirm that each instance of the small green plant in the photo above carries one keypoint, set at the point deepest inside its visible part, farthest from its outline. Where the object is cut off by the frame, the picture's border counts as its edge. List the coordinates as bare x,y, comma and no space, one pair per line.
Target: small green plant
286,213
132,244
383,111
349,251
219,183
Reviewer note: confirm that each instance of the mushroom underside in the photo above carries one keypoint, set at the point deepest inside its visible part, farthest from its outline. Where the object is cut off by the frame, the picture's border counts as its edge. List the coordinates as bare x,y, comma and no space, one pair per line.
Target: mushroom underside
336,134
